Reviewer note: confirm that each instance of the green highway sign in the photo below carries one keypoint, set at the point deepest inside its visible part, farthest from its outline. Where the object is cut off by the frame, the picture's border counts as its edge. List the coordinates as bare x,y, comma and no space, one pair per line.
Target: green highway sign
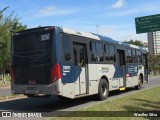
147,23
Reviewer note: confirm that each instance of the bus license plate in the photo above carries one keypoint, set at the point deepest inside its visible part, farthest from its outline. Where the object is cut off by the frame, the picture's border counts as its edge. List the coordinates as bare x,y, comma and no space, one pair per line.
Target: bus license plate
31,88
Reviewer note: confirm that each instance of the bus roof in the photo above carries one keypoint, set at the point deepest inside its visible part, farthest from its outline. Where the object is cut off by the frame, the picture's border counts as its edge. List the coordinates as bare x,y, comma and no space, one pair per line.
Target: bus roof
100,37
87,35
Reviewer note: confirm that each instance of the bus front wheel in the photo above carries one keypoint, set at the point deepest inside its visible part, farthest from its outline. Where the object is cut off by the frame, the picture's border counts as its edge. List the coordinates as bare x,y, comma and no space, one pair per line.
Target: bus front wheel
103,90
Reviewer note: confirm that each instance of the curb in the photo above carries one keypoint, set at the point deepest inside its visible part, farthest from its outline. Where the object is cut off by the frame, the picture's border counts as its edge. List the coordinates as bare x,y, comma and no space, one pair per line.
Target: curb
6,87
6,98
154,76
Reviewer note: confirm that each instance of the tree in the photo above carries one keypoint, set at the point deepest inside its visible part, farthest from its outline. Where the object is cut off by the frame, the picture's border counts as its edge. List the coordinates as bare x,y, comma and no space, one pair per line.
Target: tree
7,22
154,63
136,42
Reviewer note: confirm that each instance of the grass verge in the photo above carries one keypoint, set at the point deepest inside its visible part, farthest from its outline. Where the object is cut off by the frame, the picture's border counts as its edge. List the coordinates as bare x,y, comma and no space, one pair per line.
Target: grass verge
8,79
11,96
147,100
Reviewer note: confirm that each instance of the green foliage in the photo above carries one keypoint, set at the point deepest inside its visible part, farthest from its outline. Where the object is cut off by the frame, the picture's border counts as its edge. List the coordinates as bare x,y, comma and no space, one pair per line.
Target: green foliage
136,42
7,22
154,63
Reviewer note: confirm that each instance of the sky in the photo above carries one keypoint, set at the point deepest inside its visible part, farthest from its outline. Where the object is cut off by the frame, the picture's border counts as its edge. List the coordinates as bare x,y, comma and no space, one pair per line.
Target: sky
112,18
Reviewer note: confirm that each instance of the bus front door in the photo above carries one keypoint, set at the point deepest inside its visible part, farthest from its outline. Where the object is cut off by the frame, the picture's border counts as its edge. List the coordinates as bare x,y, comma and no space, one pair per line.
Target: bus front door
121,68
79,55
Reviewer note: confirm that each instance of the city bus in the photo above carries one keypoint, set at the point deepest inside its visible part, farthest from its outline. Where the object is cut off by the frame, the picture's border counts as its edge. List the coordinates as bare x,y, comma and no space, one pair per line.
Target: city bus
53,60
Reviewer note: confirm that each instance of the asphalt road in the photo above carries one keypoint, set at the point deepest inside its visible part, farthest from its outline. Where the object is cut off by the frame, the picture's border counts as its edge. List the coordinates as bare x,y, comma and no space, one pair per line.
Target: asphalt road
53,104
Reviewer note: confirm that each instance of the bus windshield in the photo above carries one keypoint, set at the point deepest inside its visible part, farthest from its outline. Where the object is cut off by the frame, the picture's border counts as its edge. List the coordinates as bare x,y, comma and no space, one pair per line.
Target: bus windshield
32,41
31,58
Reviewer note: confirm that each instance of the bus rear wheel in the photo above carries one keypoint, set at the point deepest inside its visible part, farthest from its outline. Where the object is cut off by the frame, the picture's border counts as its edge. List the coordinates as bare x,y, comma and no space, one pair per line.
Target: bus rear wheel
103,90
139,86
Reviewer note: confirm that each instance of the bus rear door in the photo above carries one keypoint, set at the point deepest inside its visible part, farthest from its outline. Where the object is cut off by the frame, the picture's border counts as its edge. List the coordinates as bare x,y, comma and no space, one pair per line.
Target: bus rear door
121,68
80,60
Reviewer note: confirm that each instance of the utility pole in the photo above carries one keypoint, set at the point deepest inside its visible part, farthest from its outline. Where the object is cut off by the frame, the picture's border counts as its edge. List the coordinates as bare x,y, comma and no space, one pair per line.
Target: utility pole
97,28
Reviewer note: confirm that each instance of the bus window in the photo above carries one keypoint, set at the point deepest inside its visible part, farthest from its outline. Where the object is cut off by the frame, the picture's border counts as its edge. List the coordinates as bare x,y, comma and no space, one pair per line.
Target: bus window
75,55
106,52
106,49
99,51
32,42
139,57
93,46
93,51
66,48
134,54
109,53
129,55
82,55
96,52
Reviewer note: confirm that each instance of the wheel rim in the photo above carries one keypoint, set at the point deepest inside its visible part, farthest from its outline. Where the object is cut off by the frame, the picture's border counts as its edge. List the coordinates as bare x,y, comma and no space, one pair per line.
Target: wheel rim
104,90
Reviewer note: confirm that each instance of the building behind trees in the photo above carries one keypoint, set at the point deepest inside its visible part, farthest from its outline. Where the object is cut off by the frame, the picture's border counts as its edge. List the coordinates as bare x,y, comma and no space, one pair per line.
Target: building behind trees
154,43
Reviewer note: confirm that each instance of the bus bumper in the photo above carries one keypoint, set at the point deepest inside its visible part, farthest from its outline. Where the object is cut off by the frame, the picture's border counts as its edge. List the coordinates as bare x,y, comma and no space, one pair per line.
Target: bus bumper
51,89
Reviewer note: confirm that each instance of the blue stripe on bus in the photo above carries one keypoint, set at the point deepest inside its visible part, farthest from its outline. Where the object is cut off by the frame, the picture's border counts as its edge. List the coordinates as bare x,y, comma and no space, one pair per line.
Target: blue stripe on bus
70,73
118,71
130,69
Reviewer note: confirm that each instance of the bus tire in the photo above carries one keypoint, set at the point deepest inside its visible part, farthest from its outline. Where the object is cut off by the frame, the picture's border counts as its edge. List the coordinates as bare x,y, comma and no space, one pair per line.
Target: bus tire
103,90
64,98
30,95
139,86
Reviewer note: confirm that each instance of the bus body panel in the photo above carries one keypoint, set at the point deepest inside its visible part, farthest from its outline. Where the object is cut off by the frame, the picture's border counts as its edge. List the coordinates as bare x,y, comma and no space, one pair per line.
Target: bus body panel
97,71
93,79
68,90
52,89
48,89
131,75
79,80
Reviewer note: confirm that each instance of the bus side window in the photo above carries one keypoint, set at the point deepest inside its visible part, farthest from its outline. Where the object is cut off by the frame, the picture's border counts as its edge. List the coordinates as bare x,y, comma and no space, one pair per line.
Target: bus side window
66,48
99,51
139,57
134,54
93,51
75,55
110,53
129,55
96,52
106,52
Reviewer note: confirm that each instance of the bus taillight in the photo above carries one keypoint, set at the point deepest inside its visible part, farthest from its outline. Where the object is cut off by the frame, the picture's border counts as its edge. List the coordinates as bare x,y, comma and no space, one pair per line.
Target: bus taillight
127,75
12,74
55,73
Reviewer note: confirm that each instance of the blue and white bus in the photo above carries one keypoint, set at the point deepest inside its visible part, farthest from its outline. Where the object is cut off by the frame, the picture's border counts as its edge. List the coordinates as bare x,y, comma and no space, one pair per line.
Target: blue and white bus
58,61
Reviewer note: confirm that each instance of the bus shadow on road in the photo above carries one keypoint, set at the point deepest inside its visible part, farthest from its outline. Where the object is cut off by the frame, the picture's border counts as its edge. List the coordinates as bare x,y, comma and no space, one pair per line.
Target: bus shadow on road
52,103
